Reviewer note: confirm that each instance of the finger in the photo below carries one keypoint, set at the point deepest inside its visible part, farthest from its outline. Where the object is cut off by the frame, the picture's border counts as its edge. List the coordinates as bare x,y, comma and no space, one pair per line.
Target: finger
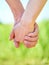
16,43
12,35
31,39
30,44
35,32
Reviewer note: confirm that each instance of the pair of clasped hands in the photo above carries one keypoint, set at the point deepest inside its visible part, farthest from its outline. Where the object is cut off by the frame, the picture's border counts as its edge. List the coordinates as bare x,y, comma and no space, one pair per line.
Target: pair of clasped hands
21,30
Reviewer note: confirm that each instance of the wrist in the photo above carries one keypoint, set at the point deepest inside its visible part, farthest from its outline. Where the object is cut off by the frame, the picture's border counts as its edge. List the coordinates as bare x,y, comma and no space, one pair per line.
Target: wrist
18,17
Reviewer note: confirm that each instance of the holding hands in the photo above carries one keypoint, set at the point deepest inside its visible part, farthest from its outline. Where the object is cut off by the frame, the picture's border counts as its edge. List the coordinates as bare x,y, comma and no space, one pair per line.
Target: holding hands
25,30
30,40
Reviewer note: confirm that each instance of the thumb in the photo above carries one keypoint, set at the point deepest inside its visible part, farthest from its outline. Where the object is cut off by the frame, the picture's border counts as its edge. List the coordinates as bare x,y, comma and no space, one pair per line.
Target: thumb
12,35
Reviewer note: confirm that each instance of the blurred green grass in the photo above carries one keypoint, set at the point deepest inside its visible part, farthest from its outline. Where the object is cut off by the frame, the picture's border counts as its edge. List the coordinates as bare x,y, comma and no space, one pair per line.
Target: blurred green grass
38,55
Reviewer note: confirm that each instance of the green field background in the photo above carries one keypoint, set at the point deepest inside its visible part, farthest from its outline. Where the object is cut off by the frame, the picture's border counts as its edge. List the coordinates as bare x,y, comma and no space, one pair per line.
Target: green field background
38,55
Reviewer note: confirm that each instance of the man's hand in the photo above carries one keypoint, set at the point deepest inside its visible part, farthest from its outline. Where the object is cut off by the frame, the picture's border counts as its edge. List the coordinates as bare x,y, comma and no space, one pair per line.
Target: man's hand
30,39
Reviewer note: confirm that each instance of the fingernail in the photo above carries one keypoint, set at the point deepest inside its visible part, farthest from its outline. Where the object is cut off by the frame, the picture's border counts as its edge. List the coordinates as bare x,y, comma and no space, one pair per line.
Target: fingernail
16,45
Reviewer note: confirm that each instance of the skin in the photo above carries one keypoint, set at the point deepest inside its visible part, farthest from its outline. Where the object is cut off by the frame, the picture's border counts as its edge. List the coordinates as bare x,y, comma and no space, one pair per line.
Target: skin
30,39
16,8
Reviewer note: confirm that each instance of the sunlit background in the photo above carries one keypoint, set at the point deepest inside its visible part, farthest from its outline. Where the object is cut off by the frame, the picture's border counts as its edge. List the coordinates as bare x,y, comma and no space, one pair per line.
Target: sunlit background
9,55
6,15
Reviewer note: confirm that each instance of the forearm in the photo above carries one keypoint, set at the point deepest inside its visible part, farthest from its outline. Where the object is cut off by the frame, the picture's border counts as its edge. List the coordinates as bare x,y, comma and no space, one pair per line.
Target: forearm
16,8
32,10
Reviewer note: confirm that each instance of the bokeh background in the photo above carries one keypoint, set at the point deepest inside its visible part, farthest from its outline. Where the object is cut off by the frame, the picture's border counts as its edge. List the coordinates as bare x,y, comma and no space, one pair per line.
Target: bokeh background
9,55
